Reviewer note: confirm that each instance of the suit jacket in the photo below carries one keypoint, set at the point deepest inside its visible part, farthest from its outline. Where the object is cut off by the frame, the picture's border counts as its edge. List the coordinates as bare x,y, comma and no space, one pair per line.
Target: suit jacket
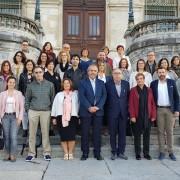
172,91
88,99
114,103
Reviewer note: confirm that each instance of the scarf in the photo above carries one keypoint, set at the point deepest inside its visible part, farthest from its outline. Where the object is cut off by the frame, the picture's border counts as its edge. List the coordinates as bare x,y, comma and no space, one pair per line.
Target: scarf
63,68
67,107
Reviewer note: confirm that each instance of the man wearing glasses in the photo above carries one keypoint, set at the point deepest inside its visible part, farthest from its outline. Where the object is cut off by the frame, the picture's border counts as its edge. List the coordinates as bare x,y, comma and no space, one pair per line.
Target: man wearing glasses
38,101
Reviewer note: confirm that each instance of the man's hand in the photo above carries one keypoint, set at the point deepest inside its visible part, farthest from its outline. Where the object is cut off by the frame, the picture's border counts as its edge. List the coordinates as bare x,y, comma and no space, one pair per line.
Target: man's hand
133,120
92,109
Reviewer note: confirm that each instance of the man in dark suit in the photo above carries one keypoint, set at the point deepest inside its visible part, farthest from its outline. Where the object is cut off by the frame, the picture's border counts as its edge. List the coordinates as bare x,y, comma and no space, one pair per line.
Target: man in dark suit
117,109
167,101
92,96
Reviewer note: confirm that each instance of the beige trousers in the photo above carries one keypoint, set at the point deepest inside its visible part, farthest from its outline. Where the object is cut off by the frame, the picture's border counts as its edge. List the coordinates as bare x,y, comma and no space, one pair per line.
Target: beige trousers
165,123
34,118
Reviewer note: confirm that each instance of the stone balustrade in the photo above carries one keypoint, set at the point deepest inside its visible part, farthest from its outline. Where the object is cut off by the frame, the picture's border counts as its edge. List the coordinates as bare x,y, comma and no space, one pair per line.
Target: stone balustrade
161,36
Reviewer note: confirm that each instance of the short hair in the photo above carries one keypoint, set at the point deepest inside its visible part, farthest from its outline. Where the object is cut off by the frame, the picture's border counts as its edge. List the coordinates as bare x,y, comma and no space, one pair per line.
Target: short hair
10,77
139,74
29,60
160,61
48,62
83,49
161,68
106,47
23,57
118,46
24,40
142,60
127,64
70,82
38,67
75,55
116,69
92,65
2,67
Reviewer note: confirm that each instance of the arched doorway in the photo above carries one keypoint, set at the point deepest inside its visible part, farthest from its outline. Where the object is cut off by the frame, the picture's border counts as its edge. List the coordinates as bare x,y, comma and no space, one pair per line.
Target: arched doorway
84,25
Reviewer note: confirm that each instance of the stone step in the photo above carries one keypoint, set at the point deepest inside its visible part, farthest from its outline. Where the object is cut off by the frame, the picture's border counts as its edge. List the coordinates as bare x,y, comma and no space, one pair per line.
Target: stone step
55,140
57,151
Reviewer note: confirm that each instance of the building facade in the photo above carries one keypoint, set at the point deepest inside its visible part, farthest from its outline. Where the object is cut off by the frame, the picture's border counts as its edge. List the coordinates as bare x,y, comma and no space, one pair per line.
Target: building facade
88,23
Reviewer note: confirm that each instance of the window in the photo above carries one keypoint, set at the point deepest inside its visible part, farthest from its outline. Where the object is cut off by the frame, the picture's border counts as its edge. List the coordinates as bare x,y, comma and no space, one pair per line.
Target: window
73,25
158,9
94,25
11,7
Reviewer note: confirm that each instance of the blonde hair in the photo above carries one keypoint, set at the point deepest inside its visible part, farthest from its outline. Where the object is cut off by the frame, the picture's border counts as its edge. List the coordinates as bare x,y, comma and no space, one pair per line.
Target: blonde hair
60,54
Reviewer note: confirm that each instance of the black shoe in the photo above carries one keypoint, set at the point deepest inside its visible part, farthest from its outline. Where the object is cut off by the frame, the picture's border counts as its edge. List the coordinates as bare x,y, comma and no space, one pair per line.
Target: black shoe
84,157
25,133
172,157
99,158
148,157
113,157
122,156
138,157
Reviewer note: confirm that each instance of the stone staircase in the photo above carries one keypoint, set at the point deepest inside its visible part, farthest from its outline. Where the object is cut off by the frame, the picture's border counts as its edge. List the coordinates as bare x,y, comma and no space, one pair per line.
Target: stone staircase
57,150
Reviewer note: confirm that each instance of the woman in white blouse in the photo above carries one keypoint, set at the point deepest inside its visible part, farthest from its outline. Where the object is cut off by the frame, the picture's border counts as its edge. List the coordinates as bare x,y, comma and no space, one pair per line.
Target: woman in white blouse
64,114
140,68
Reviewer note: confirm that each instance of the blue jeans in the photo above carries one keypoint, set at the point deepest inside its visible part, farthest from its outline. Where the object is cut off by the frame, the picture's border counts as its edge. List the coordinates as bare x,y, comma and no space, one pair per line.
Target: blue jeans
10,129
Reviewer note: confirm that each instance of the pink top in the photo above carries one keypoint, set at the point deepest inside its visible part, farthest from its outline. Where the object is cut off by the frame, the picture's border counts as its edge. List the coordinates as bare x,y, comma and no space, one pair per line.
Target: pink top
66,117
18,105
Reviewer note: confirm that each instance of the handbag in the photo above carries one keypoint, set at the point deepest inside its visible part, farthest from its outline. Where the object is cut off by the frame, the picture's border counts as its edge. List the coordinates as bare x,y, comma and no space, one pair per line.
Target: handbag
1,138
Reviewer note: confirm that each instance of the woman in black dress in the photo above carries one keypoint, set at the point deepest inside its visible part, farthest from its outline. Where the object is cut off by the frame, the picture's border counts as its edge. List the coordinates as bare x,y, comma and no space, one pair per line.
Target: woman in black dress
64,114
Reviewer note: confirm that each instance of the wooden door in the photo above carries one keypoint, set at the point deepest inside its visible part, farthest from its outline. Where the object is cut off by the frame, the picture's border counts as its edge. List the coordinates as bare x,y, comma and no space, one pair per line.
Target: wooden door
84,25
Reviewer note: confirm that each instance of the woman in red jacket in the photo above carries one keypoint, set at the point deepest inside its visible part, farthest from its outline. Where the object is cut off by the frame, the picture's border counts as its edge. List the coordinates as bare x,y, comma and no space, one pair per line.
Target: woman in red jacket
142,111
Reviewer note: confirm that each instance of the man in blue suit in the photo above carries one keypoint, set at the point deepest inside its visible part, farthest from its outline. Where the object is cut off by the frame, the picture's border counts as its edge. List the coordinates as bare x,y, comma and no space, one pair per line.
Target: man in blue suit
92,97
167,101
117,110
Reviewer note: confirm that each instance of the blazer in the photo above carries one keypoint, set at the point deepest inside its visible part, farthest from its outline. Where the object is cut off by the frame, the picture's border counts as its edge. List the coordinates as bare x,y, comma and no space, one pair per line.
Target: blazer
88,99
172,91
114,103
134,104
57,107
19,104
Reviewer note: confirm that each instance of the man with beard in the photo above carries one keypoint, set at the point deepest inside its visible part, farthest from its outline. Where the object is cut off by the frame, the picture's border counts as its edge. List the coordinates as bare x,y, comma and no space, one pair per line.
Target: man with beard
167,101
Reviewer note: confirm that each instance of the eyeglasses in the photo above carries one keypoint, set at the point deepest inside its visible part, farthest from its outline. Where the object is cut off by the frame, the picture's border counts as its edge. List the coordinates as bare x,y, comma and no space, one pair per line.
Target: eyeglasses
38,72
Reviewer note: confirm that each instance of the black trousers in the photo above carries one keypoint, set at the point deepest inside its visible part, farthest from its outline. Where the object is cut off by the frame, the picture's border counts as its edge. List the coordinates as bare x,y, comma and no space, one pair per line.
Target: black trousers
137,140
86,122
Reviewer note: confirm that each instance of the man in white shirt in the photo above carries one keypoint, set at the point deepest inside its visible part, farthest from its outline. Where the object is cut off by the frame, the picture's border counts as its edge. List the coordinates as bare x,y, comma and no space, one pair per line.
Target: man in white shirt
120,55
167,102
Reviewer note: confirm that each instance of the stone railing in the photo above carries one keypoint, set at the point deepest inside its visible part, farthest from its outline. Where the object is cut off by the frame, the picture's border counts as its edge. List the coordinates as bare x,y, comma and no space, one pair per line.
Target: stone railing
19,23
148,28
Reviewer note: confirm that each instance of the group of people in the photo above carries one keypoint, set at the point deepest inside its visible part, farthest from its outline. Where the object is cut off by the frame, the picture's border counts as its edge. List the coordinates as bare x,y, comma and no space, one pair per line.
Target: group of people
69,90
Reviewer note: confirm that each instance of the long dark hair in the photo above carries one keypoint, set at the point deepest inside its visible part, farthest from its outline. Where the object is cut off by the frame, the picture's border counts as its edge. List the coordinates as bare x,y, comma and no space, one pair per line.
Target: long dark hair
172,60
23,57
39,58
2,67
45,44
9,78
160,61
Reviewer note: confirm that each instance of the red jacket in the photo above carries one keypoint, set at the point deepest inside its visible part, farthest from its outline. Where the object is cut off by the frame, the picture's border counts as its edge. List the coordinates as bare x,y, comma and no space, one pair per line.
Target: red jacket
134,104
